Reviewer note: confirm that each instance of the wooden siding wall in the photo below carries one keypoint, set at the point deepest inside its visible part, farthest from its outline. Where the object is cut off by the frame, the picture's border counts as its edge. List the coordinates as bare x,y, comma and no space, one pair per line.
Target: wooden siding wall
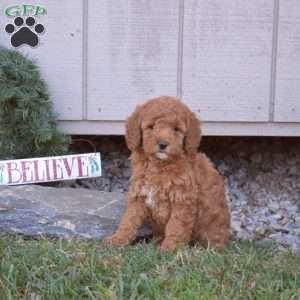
234,62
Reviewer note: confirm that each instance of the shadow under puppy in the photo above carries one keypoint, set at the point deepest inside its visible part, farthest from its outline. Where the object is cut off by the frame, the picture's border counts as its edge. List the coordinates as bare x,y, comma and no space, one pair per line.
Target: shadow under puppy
173,186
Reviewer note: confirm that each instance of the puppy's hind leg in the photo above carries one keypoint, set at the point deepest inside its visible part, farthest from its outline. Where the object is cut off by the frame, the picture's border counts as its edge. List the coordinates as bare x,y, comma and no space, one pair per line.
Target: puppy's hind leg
215,234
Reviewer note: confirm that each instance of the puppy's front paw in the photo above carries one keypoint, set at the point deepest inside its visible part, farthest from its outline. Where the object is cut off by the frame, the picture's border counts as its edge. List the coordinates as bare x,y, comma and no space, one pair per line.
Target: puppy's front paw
167,246
115,240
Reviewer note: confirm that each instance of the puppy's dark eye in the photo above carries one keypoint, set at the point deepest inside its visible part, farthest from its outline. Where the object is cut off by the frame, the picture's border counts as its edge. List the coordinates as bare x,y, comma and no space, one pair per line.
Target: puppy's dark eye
176,129
150,127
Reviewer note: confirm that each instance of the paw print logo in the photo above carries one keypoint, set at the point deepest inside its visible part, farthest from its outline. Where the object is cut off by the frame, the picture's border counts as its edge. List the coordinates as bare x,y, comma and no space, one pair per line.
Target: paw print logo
24,34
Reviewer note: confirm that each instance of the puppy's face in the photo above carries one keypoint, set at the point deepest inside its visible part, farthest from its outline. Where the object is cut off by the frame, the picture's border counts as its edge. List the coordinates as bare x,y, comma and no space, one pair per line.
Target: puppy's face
163,128
163,136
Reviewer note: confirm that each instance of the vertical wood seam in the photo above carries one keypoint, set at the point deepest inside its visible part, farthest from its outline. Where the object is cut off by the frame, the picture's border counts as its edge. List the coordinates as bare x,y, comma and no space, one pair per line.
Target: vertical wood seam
180,48
274,61
84,59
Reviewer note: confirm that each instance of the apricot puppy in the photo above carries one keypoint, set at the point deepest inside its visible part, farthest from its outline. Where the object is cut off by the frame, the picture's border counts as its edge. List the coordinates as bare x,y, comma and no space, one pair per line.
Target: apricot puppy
173,186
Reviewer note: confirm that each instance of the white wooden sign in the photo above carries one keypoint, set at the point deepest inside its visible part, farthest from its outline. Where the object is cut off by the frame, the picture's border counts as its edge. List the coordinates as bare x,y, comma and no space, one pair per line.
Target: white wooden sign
45,169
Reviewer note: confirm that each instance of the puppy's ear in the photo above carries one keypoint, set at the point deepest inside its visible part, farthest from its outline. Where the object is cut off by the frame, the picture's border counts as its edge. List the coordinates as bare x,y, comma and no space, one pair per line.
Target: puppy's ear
193,135
133,134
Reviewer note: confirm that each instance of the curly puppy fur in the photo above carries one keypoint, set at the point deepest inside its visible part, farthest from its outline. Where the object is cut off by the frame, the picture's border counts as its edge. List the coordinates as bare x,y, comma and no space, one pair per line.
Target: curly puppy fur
173,186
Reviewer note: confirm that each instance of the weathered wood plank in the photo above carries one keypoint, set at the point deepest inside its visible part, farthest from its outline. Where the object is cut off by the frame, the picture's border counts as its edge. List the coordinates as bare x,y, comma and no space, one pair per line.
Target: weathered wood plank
287,99
209,128
132,54
227,58
59,53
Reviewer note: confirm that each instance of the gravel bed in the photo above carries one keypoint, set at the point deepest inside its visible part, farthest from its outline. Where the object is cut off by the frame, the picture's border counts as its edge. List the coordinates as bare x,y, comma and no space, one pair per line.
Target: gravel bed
262,177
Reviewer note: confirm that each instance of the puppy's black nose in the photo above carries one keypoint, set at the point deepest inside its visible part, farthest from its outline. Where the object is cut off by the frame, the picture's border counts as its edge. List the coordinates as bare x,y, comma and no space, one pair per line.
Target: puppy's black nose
162,145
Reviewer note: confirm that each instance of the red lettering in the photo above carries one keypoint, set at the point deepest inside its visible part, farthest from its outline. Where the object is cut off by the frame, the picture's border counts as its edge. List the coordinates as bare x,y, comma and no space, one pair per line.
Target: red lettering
10,170
36,171
67,166
24,169
56,167
47,169
80,174
80,169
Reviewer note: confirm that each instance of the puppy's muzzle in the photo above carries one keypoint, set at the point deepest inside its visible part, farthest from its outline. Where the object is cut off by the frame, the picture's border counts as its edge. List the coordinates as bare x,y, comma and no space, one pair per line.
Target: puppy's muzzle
162,145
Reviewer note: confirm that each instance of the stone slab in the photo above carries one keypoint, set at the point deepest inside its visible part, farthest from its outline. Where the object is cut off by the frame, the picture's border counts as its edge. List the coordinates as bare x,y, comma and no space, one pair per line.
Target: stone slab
59,212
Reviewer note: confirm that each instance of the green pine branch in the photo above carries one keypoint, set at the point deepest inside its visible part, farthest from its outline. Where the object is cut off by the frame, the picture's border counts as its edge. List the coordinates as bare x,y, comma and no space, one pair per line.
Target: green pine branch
27,121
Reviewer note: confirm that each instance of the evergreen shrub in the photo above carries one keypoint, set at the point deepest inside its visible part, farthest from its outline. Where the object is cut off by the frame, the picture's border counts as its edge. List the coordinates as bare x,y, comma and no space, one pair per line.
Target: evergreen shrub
27,121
